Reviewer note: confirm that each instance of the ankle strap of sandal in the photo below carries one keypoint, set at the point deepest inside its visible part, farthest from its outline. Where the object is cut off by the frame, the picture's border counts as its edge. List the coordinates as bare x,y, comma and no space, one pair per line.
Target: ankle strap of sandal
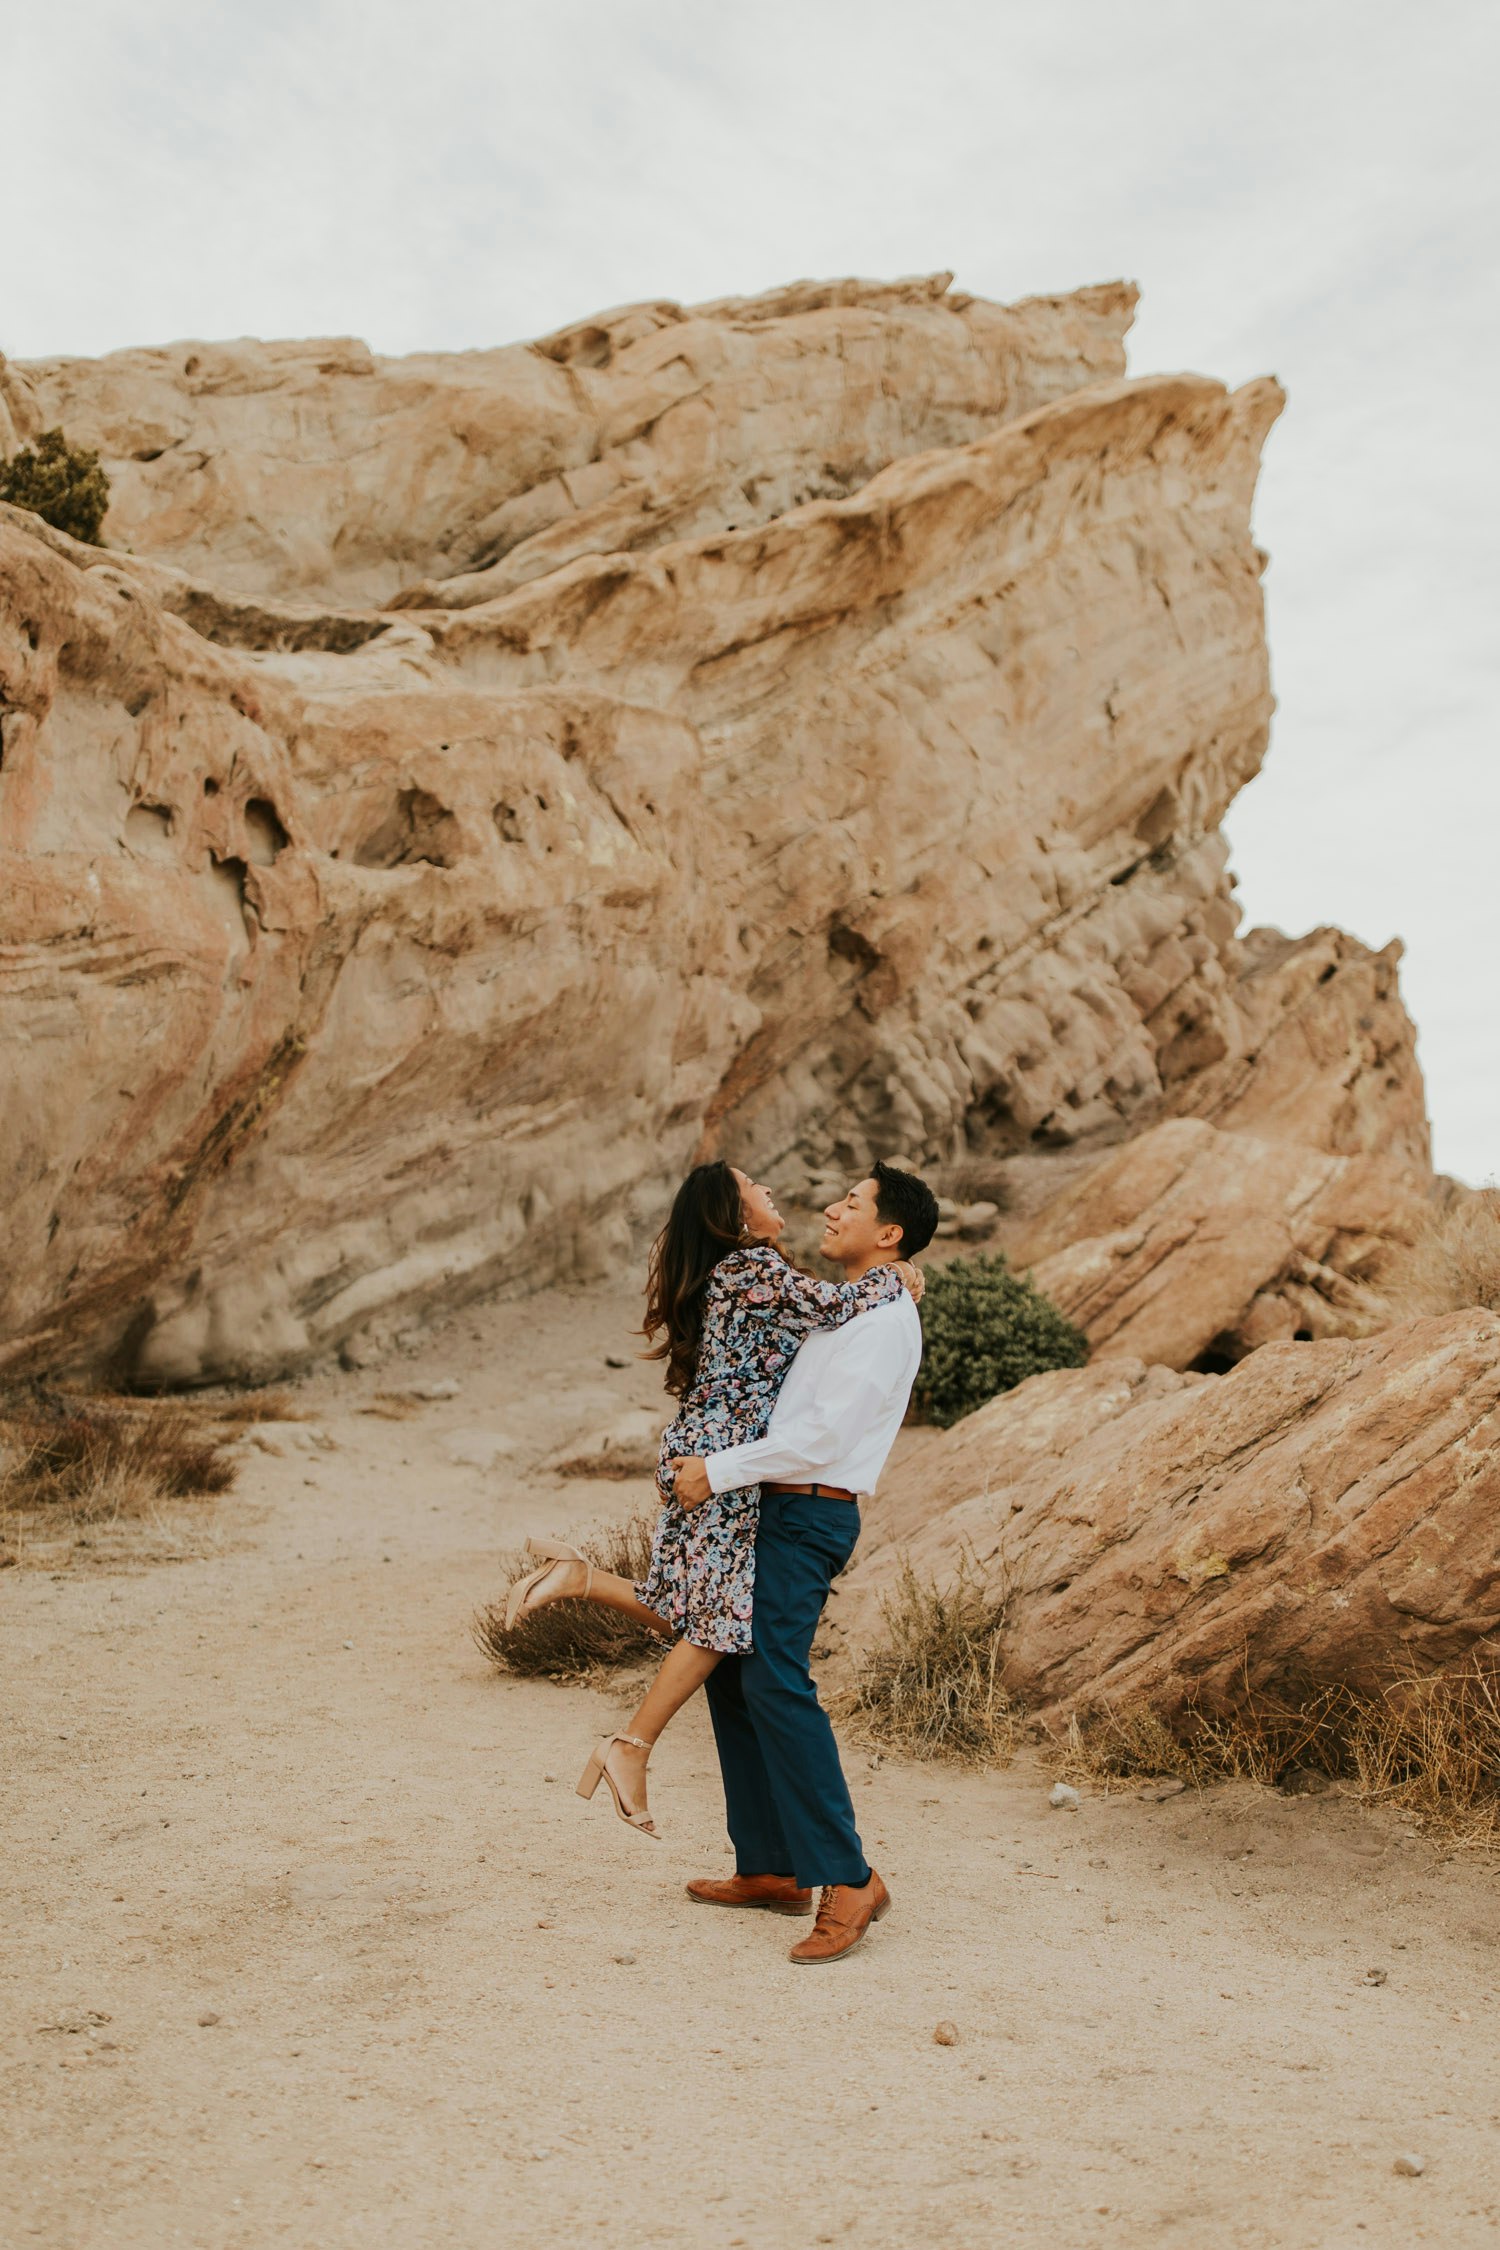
634,1739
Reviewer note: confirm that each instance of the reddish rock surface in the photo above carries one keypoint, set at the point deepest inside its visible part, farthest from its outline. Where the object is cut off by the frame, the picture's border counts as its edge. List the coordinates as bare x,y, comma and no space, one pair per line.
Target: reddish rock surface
1191,1244
1326,1511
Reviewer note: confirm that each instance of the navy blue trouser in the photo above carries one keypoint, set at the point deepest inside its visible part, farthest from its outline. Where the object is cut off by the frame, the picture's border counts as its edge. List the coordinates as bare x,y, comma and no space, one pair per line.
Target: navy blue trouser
784,1789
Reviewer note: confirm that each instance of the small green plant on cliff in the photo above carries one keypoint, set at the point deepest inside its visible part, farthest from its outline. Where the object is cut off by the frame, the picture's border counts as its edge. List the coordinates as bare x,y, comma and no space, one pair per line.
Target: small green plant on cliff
985,1329
63,484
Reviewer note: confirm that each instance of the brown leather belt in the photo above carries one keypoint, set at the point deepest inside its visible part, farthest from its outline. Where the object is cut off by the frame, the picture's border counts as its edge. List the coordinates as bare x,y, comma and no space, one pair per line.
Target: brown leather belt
814,1491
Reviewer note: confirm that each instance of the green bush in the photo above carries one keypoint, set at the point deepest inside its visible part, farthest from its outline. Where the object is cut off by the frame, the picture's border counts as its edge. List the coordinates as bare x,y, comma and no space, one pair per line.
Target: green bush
61,483
985,1329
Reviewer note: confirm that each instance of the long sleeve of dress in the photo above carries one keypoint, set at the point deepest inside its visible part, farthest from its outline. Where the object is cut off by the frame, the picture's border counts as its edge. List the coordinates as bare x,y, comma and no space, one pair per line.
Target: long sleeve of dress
799,1302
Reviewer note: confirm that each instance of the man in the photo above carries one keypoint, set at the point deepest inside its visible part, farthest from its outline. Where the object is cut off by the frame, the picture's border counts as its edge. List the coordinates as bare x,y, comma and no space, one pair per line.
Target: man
790,1816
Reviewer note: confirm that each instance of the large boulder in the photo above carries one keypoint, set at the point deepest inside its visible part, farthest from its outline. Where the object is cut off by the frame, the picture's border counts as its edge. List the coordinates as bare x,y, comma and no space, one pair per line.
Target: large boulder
1191,1246
356,960
1325,1512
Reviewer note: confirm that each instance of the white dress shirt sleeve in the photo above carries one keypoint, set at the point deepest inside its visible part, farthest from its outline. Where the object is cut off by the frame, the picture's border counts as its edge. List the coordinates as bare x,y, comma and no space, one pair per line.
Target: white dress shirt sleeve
806,1441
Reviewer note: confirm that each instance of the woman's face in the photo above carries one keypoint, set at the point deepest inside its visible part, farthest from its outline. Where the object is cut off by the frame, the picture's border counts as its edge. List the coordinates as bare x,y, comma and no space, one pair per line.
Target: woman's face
763,1222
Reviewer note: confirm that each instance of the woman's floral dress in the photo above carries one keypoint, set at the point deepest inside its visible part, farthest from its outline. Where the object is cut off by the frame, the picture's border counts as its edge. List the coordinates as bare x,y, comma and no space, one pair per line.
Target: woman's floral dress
757,1312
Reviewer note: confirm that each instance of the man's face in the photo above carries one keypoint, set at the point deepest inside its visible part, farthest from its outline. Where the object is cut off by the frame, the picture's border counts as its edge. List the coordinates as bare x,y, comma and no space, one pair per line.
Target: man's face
855,1233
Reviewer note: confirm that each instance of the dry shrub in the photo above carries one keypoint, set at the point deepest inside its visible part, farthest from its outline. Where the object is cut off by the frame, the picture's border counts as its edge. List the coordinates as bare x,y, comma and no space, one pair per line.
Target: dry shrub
979,1179
1426,1744
76,1461
572,1640
930,1685
1432,1747
251,1406
1453,1263
79,1467
1262,1739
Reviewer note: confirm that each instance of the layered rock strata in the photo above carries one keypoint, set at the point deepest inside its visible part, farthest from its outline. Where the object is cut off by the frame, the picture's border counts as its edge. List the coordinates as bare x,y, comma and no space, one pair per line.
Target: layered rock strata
321,469
356,960
1189,1246
1325,1512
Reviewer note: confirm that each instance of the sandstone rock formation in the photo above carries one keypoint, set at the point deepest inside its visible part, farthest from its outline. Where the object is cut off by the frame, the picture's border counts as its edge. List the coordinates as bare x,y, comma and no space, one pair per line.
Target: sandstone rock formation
1326,1511
356,959
1190,1245
321,469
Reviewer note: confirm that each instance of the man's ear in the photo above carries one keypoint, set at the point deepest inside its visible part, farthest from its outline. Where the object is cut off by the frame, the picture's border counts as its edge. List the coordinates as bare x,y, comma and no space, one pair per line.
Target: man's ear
889,1238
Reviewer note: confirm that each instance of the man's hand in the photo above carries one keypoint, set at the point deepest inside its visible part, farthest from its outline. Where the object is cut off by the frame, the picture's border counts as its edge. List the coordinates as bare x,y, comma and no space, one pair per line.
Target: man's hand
690,1481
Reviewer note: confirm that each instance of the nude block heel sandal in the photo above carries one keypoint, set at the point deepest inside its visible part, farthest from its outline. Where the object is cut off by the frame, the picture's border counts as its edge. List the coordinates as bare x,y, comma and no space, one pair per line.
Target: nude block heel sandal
597,1770
553,1553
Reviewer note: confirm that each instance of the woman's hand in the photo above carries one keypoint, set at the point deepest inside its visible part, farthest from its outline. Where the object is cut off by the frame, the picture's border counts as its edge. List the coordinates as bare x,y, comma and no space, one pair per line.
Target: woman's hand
913,1279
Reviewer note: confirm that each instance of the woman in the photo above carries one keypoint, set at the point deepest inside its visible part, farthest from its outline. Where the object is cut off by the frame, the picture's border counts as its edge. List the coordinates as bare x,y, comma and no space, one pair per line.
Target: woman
730,1313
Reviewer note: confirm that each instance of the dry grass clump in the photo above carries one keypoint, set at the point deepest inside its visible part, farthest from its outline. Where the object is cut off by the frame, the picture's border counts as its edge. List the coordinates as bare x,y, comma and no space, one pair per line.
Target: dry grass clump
1263,1739
1454,1261
77,1467
979,1179
246,1407
573,1640
1426,1744
930,1686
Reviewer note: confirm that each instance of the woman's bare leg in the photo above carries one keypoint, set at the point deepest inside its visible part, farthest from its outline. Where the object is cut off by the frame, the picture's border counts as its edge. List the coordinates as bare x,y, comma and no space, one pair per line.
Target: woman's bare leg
683,1671
565,1583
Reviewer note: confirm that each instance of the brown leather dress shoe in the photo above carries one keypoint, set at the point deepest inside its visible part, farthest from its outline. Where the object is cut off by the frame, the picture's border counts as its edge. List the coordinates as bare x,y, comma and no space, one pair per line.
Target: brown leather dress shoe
778,1894
844,1914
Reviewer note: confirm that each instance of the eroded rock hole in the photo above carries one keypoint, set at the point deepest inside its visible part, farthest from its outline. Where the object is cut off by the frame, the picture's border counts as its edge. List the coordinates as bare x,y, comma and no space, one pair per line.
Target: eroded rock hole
852,945
266,839
1160,818
516,823
148,830
1218,1356
417,829
210,786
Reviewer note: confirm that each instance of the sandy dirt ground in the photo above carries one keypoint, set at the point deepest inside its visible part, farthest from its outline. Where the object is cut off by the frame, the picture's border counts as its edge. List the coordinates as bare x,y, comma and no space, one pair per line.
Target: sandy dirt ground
309,1942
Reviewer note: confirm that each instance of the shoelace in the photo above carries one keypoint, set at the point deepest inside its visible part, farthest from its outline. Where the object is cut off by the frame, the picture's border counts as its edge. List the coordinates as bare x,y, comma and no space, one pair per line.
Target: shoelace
825,1905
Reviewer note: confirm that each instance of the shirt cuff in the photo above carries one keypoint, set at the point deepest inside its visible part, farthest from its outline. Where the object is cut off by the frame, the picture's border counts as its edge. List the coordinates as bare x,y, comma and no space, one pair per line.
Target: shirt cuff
723,1469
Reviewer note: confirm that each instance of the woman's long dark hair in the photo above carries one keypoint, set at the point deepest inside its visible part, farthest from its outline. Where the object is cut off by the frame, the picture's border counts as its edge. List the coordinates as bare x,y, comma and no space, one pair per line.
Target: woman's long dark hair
707,1221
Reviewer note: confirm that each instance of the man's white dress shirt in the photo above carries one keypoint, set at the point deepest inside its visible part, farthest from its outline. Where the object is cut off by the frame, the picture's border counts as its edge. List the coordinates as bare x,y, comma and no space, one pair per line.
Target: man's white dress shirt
840,1406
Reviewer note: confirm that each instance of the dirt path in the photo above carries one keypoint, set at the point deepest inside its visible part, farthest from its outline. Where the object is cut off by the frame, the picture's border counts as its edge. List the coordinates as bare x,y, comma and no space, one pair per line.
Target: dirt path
366,1972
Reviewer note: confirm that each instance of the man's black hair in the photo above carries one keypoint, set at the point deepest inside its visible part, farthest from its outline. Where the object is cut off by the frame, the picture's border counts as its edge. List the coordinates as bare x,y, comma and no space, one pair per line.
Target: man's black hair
904,1201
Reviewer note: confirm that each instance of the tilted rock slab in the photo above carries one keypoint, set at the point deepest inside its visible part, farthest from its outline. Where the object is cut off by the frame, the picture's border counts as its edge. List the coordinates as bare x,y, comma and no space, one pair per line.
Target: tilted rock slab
352,962
1325,1512
1190,1243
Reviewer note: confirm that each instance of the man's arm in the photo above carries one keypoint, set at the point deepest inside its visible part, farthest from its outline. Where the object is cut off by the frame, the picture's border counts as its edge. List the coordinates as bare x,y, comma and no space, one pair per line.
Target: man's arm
805,1442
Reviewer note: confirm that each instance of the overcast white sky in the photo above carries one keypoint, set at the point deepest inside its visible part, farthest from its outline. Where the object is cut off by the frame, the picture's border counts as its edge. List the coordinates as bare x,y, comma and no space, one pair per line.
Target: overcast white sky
1306,187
